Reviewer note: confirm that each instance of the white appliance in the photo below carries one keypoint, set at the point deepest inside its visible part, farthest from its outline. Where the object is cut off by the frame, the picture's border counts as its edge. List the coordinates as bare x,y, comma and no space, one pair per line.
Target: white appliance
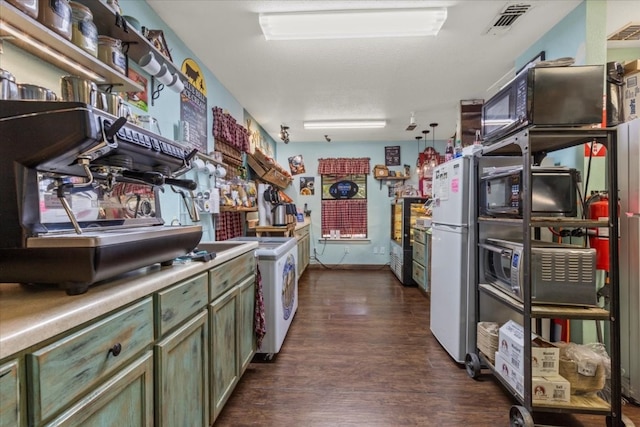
278,264
452,257
629,185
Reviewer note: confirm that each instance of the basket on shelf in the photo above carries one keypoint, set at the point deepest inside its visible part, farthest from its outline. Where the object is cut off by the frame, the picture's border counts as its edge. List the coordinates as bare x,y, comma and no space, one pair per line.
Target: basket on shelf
487,333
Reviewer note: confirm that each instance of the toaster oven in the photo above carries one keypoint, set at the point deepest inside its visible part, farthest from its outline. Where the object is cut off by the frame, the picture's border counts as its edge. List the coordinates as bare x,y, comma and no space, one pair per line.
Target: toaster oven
560,273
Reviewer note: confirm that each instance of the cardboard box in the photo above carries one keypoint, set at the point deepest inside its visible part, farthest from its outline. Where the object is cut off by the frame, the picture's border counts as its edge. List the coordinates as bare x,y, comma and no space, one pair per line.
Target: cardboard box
545,357
631,90
544,389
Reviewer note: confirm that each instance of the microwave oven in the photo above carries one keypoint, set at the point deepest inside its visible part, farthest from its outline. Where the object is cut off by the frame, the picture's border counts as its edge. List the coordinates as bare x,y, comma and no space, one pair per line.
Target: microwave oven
553,192
546,96
560,273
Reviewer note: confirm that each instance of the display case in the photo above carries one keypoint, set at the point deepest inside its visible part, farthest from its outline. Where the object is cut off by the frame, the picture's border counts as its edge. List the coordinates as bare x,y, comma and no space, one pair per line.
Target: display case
404,212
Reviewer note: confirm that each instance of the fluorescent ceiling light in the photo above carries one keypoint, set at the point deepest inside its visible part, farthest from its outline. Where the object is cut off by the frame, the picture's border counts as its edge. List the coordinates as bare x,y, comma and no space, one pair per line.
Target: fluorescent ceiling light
344,24
345,124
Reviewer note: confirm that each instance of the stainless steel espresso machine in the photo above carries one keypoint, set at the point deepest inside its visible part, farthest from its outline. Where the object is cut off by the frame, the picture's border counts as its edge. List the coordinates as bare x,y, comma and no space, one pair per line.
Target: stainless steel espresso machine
79,193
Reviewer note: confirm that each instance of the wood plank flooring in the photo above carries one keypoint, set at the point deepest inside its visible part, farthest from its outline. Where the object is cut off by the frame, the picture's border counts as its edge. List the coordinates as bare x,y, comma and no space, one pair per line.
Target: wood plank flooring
360,353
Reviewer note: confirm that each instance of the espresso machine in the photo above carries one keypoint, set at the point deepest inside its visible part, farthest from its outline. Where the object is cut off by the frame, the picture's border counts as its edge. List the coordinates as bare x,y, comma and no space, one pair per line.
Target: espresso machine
80,195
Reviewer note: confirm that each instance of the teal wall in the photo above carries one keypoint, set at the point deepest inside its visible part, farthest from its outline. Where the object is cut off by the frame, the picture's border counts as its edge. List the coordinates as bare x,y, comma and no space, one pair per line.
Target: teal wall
379,211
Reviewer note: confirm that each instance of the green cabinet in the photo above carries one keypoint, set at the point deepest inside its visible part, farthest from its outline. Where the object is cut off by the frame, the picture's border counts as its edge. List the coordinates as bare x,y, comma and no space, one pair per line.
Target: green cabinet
126,399
304,248
10,395
224,350
246,316
171,358
231,332
70,368
182,379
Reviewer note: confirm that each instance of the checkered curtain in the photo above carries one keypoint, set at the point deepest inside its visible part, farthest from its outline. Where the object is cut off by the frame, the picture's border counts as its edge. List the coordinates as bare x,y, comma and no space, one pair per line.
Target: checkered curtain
228,225
347,215
343,166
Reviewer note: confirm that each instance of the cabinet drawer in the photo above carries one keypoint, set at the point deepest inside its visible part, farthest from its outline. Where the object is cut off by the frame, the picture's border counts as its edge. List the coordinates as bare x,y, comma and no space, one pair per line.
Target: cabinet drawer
125,400
418,252
419,235
178,303
418,274
227,275
10,395
300,233
61,372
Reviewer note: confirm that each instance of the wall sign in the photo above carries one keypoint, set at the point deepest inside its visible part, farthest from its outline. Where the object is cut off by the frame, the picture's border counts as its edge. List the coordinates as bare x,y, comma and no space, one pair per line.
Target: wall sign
193,107
392,156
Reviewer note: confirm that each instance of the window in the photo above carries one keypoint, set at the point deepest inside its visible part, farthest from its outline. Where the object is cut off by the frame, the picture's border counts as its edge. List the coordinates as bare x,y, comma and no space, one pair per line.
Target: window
344,197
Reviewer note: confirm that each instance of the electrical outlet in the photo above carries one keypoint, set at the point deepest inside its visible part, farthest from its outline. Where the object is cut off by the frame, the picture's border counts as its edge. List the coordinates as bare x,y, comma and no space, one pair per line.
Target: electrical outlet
382,250
375,250
346,249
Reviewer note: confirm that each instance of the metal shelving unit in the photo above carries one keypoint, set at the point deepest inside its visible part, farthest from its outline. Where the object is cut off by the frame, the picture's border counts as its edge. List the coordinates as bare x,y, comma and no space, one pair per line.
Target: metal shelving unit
532,145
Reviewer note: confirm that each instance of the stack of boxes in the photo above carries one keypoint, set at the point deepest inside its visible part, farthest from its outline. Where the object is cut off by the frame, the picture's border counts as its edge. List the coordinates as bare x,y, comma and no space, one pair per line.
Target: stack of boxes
547,384
631,90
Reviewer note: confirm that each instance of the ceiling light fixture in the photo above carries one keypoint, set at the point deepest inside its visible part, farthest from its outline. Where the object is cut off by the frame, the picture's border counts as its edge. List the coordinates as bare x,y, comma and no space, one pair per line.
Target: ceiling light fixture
284,133
345,124
412,122
344,24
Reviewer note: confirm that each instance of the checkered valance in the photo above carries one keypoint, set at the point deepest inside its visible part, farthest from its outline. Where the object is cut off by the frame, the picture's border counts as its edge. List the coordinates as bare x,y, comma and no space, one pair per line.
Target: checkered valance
343,166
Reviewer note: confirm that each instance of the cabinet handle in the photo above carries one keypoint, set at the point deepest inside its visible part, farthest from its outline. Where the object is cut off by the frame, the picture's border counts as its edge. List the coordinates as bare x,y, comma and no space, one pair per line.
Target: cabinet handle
115,350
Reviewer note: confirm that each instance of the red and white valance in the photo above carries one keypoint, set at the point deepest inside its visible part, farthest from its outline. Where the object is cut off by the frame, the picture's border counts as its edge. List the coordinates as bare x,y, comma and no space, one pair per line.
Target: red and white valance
343,166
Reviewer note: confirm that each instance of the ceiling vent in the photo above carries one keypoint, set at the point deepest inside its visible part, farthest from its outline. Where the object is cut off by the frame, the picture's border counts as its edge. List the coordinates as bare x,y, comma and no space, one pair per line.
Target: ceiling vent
505,19
629,32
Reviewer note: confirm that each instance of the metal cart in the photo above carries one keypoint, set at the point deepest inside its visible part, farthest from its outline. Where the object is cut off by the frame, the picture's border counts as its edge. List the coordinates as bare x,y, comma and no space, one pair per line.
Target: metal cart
532,145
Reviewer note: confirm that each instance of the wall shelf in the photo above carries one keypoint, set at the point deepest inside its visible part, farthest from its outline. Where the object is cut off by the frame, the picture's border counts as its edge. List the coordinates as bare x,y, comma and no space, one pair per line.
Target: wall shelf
30,35
111,25
391,178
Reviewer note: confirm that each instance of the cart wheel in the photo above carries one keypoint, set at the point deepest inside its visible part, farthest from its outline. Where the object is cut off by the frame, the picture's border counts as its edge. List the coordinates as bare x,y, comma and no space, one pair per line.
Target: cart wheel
472,364
520,417
624,421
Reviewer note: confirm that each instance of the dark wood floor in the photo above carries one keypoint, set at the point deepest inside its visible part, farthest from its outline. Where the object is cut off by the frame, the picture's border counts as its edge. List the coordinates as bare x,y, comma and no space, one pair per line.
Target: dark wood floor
360,353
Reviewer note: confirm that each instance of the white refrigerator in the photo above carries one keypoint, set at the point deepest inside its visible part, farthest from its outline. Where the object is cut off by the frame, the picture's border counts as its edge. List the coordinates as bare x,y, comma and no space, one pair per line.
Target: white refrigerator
629,254
453,257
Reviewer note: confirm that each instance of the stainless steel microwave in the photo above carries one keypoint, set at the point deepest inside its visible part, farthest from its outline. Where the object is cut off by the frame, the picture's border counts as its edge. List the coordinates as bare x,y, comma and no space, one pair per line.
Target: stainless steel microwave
560,274
546,96
553,192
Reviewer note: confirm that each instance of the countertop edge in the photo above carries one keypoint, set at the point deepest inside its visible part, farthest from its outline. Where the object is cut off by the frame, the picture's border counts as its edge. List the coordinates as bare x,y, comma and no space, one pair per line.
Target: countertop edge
29,316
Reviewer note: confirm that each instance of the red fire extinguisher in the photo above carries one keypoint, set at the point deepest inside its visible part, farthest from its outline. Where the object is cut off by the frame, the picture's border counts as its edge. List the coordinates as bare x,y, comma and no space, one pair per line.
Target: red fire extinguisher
598,209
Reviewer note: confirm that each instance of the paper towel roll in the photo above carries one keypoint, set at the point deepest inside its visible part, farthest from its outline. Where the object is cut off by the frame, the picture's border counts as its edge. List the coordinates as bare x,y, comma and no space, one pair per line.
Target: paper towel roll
263,210
215,200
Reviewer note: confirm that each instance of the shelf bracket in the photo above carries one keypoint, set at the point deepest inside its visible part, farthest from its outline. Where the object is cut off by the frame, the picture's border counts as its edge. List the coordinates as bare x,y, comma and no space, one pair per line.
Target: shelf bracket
155,91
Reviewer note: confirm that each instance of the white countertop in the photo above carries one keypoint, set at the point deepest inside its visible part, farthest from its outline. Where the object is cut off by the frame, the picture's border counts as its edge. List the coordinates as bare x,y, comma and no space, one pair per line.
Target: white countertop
30,315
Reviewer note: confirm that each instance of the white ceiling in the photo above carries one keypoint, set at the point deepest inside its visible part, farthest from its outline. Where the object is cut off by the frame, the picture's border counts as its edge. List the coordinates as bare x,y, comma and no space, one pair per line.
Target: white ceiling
287,82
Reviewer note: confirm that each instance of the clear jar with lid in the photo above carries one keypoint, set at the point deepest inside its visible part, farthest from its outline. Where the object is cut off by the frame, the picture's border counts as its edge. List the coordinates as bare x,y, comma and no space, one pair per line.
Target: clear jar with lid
30,7
110,52
56,15
84,33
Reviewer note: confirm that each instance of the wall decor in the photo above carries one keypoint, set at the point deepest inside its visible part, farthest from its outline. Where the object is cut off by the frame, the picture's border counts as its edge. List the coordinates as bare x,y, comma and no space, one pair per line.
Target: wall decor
307,185
392,155
138,99
193,107
296,164
344,186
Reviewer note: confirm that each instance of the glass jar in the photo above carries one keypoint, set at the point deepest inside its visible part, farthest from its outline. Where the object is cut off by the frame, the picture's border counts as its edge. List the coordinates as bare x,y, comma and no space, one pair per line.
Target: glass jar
110,52
84,33
30,7
56,15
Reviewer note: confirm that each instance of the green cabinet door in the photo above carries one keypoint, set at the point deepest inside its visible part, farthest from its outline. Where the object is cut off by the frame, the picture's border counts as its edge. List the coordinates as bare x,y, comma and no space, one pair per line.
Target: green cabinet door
182,376
246,313
125,400
224,350
10,395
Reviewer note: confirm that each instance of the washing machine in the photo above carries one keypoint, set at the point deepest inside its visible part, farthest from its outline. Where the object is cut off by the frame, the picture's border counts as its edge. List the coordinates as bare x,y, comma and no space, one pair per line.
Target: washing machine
278,264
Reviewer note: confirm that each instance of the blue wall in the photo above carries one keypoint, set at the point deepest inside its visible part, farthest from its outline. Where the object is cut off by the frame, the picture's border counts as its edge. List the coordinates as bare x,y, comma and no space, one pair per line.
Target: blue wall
379,211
